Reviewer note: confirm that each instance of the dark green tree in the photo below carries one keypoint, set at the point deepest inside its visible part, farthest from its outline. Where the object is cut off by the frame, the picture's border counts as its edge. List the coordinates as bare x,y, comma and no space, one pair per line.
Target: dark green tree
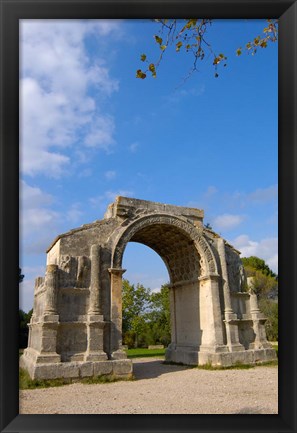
24,319
21,276
254,263
136,303
159,316
265,285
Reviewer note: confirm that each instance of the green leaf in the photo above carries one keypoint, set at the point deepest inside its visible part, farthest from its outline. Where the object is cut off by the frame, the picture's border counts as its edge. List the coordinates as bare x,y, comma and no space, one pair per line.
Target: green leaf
143,57
238,52
158,39
152,67
163,47
178,46
140,74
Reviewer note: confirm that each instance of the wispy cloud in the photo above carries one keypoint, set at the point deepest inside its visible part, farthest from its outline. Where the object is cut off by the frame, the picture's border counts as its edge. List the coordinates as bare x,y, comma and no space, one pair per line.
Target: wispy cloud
263,195
266,249
133,147
110,174
227,221
101,201
56,109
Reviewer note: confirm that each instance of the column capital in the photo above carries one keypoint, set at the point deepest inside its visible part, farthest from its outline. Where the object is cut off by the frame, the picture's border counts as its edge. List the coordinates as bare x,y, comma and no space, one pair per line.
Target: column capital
212,276
116,271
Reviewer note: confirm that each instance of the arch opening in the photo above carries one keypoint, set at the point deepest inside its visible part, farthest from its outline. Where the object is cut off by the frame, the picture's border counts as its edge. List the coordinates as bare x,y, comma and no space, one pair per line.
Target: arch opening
179,253
176,249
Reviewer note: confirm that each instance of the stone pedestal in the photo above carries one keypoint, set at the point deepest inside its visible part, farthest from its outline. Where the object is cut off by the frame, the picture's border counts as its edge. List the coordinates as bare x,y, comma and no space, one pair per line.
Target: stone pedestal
116,284
95,327
258,324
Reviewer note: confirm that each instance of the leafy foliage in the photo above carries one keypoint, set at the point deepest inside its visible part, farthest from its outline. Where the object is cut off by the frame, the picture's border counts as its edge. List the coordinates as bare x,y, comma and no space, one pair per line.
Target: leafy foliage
190,35
146,316
265,285
24,319
21,276
258,264
270,309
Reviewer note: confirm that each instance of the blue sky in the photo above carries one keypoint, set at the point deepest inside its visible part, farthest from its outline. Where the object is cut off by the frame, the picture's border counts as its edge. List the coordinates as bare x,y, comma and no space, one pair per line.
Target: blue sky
90,131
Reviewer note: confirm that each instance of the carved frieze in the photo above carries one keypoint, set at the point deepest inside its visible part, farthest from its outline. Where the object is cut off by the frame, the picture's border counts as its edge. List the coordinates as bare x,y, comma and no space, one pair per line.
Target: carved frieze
74,271
236,274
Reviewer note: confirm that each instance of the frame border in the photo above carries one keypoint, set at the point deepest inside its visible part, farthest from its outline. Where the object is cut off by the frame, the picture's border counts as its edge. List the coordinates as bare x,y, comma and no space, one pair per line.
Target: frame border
11,11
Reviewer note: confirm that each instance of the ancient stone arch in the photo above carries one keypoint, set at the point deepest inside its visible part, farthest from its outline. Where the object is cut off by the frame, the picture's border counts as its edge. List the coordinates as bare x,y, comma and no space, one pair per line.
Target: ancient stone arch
76,326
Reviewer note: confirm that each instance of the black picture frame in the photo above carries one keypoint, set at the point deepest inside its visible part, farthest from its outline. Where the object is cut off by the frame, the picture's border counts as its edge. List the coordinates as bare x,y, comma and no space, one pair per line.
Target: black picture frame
14,10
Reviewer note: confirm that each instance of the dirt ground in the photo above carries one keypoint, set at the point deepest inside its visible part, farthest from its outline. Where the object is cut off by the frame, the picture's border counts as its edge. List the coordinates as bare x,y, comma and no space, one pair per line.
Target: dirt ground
163,389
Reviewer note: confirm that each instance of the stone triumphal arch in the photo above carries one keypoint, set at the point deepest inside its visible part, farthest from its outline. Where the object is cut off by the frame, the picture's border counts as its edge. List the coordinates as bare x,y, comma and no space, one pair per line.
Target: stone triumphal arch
76,326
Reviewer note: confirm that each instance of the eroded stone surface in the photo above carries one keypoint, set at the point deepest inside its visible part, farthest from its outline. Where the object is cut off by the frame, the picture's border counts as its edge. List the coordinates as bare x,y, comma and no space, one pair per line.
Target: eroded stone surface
76,326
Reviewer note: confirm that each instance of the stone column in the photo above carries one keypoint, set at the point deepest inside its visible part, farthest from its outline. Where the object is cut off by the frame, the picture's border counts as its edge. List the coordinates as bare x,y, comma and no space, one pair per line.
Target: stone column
51,277
169,352
95,306
95,321
258,324
50,319
211,316
230,317
116,284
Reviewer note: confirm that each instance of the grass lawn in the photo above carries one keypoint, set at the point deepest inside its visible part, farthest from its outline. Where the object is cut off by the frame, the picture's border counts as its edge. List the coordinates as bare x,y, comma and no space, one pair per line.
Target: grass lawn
141,353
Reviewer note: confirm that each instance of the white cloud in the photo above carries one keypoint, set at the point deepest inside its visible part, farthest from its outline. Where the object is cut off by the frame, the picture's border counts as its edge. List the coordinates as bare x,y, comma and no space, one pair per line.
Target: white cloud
74,214
266,249
211,190
56,109
39,222
101,201
35,214
227,221
133,147
110,174
100,134
263,195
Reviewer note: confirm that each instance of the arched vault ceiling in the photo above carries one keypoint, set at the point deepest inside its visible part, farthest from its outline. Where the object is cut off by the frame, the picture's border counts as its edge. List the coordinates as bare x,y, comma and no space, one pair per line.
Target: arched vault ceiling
174,247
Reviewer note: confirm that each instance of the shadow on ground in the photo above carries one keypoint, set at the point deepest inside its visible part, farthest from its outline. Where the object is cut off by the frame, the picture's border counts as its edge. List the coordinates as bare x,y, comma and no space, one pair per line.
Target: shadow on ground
144,368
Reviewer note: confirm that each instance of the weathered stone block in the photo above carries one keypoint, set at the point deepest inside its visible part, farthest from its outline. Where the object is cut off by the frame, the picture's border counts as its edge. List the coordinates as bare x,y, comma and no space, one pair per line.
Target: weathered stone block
103,367
86,369
122,367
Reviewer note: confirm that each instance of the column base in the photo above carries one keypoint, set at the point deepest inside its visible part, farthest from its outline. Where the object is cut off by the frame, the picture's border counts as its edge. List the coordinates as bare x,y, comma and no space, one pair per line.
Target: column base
119,354
119,369
32,355
182,355
95,356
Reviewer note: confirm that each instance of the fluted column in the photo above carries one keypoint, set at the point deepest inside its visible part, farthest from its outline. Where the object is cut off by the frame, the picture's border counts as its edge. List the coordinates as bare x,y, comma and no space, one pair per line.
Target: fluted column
95,323
258,324
51,290
211,319
230,317
116,284
95,306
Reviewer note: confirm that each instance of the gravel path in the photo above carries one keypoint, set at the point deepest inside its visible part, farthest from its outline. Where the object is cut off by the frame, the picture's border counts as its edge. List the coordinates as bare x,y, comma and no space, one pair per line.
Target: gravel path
163,389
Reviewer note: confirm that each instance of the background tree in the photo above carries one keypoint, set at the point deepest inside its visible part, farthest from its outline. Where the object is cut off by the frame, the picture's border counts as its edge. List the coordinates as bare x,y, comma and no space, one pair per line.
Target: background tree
24,319
265,284
264,281
21,276
159,316
136,302
146,315
191,35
